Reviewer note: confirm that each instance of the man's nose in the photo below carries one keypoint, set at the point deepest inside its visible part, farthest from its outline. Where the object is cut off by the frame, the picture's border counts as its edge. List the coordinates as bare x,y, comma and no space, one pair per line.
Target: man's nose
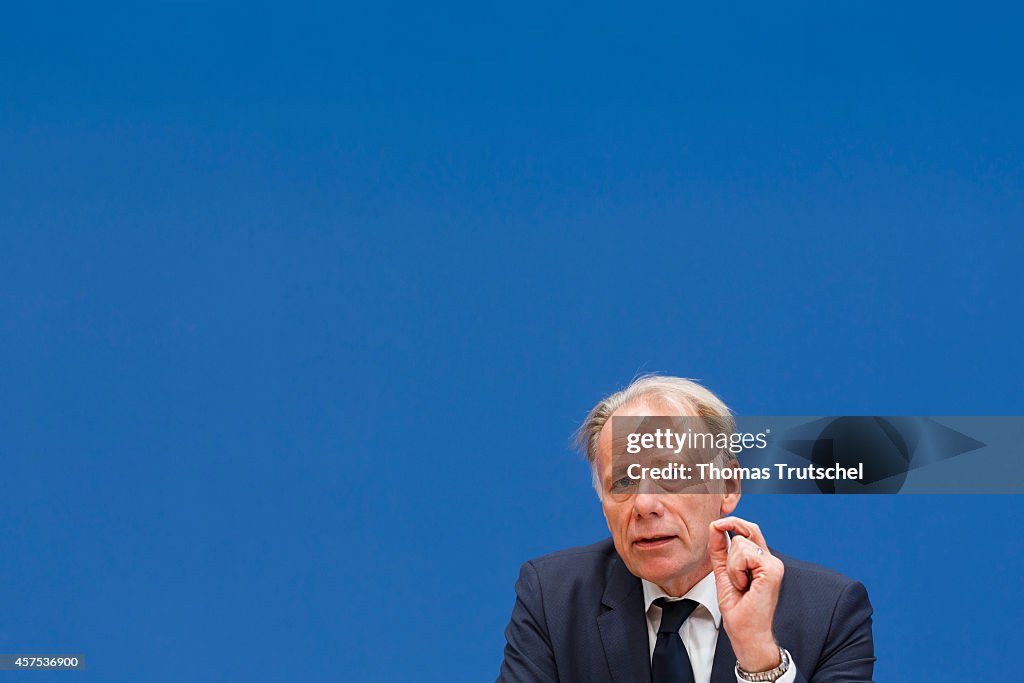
647,505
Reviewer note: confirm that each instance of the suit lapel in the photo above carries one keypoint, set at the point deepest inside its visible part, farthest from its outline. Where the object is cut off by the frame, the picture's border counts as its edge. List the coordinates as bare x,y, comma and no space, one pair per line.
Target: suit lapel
723,669
623,631
624,626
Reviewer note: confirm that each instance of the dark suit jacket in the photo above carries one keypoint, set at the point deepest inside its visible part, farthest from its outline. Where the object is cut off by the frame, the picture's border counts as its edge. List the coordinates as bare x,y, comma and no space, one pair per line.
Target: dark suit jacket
579,616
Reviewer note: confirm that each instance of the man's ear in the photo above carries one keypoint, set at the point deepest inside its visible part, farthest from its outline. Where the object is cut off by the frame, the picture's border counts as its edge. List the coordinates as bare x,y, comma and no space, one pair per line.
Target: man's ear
731,499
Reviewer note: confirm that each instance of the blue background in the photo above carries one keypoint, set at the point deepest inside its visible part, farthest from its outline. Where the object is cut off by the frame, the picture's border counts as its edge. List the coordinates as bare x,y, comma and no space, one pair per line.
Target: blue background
301,306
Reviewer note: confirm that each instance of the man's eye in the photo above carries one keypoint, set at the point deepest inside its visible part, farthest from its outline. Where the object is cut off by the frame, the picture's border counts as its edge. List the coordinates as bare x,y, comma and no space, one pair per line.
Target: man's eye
622,484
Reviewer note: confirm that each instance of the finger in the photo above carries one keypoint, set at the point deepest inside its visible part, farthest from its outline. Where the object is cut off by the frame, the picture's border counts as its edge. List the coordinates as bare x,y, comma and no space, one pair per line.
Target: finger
751,566
744,557
741,527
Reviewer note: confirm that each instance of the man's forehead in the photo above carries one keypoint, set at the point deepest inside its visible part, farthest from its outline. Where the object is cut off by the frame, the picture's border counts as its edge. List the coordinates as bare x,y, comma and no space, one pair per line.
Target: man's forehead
643,407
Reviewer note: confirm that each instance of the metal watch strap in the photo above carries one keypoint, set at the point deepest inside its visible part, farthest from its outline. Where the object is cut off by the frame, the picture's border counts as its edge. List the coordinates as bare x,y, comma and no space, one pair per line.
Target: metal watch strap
770,676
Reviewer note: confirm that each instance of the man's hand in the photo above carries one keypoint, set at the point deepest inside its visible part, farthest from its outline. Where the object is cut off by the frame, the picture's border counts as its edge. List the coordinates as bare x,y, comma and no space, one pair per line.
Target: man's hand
748,578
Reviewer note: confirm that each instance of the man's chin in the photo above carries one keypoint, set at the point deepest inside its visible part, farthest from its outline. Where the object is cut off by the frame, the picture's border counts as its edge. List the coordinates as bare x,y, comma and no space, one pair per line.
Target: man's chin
658,570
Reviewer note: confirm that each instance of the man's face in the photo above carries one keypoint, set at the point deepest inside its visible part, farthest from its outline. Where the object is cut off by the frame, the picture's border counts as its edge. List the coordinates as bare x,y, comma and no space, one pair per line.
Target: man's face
662,537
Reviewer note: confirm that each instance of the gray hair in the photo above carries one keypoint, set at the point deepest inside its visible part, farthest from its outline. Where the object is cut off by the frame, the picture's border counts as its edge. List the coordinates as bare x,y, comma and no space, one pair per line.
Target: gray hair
678,393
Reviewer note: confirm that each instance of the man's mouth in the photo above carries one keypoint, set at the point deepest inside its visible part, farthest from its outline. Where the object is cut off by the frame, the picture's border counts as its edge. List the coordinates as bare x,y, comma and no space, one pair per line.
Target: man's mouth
652,541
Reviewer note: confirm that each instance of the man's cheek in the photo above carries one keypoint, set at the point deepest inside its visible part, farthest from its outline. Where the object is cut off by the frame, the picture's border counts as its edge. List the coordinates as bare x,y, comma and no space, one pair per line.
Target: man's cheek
613,519
697,533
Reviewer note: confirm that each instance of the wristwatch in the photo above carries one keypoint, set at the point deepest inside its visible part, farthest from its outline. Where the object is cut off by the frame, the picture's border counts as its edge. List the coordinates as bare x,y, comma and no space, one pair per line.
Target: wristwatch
772,675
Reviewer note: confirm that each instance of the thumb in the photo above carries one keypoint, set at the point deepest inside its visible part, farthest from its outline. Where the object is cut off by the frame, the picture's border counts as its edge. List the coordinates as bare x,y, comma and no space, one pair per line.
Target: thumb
718,548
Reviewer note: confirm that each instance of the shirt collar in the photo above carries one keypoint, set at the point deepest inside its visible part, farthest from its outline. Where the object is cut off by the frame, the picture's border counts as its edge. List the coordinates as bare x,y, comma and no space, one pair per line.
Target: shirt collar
704,593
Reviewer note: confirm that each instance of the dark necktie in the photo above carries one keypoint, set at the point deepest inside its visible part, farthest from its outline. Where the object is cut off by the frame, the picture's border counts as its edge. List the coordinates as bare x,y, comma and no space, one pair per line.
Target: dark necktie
670,663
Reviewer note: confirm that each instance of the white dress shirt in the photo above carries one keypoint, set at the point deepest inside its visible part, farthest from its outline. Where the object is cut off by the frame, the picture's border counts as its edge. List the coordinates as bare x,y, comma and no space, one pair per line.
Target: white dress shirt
700,631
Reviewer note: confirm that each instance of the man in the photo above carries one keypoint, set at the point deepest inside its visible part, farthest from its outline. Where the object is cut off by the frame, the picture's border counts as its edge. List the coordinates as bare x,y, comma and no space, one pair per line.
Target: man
670,597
